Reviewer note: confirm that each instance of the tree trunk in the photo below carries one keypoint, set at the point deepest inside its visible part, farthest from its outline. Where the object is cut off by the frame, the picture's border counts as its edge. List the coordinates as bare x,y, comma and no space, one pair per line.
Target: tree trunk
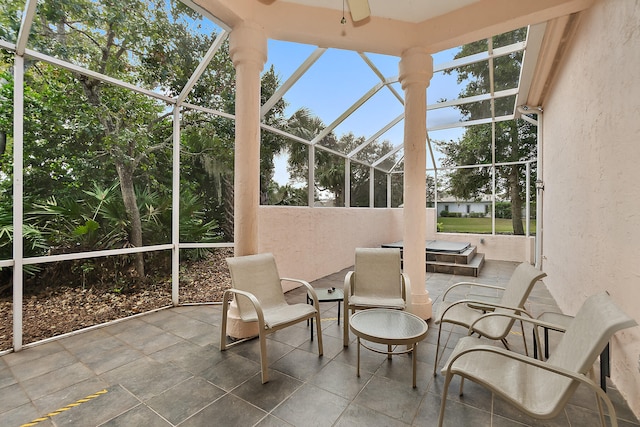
227,226
516,202
125,173
91,88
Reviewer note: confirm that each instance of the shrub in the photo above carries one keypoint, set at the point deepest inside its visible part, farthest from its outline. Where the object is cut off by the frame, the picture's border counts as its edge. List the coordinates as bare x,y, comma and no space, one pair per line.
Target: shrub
503,210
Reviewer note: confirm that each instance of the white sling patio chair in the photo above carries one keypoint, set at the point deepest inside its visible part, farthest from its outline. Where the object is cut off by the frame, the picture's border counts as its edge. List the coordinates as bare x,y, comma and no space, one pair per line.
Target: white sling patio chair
376,282
538,388
259,296
468,311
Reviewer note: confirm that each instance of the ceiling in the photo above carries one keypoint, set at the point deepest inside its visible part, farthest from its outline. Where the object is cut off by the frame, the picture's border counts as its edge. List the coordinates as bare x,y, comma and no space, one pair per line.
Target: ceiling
413,11
393,27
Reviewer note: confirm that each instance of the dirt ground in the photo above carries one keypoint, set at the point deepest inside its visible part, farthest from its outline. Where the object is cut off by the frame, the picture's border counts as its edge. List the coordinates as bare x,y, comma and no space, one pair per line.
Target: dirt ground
53,312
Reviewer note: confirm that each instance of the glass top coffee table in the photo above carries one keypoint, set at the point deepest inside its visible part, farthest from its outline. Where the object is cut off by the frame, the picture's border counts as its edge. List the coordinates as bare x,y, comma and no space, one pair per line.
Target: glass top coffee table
390,327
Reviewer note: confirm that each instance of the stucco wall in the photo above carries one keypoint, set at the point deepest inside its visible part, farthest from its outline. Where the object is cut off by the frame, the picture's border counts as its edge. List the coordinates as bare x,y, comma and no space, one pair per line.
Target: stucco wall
591,156
498,247
325,238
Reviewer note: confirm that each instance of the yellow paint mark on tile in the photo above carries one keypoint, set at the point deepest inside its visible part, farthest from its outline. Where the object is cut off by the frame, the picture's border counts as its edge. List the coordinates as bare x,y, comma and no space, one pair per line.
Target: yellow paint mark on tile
66,408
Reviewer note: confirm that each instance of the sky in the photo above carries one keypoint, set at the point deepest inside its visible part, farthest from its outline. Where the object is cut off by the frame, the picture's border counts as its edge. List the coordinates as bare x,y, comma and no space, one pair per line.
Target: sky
339,78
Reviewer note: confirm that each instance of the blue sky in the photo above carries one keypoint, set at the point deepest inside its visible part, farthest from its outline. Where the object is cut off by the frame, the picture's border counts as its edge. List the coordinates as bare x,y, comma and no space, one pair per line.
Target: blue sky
339,78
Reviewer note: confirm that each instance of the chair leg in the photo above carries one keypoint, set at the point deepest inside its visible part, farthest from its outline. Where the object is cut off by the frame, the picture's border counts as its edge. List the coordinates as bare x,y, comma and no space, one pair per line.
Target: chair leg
443,402
318,333
524,339
505,343
223,327
601,411
435,363
263,357
605,367
345,324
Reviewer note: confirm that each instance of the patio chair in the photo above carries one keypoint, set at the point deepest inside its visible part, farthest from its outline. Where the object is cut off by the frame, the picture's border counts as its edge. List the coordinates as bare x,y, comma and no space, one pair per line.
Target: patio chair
471,311
376,282
538,388
258,293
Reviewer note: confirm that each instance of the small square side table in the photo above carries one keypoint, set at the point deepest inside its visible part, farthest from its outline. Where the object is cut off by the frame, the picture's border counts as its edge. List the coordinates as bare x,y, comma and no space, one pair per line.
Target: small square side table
325,296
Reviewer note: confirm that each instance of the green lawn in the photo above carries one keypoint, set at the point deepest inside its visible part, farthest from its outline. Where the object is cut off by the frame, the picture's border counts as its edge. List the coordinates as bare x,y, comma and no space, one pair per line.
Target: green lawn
478,225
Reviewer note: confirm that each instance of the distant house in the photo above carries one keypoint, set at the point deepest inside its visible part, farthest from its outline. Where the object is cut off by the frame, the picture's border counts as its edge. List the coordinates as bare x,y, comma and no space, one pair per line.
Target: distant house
464,208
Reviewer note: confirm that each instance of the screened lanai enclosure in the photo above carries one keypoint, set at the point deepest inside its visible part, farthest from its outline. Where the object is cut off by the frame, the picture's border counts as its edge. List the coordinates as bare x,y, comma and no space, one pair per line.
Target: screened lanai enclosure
118,138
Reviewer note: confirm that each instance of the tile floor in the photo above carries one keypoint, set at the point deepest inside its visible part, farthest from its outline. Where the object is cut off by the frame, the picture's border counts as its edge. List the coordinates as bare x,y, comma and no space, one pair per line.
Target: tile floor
165,369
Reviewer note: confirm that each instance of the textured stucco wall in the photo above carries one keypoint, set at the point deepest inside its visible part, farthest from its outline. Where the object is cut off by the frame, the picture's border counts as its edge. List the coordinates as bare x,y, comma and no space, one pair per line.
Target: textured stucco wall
591,155
498,247
309,243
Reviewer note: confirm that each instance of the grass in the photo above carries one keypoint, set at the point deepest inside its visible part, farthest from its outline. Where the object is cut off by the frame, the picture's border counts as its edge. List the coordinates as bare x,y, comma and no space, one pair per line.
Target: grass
478,225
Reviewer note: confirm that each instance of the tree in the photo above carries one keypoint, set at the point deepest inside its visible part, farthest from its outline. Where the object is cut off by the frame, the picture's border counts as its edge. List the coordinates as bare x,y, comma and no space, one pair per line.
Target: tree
514,140
125,129
80,129
271,144
329,168
208,149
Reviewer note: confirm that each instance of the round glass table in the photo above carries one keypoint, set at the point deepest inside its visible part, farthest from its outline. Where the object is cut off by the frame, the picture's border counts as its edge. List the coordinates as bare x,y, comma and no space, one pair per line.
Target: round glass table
390,327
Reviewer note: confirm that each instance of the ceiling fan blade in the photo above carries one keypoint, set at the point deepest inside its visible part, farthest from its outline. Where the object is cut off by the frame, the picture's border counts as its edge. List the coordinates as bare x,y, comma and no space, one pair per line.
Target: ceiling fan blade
359,9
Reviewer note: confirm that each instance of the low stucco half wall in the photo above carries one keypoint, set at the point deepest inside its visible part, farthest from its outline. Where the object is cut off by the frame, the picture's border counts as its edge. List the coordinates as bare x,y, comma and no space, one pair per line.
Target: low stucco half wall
310,243
497,247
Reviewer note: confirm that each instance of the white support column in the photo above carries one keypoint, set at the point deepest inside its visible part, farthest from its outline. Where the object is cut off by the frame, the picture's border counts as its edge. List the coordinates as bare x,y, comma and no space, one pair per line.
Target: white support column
416,70
18,192
18,170
372,188
175,211
311,176
388,190
248,51
347,183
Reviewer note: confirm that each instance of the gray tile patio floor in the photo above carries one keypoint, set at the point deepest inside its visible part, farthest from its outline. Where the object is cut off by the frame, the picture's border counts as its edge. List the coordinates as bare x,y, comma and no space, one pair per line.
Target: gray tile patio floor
165,369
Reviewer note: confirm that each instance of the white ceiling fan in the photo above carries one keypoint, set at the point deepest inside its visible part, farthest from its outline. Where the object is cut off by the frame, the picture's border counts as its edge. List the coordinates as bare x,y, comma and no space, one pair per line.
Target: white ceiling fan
359,9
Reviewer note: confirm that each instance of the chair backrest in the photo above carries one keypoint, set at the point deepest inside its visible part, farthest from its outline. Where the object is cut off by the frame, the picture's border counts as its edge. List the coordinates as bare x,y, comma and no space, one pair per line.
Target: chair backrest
516,292
258,275
585,338
377,272
520,285
589,332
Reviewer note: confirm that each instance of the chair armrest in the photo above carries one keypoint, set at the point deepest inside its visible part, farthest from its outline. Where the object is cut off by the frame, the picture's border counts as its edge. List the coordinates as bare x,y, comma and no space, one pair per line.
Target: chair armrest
471,284
449,369
560,319
251,298
482,304
348,287
535,322
405,283
530,319
310,290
